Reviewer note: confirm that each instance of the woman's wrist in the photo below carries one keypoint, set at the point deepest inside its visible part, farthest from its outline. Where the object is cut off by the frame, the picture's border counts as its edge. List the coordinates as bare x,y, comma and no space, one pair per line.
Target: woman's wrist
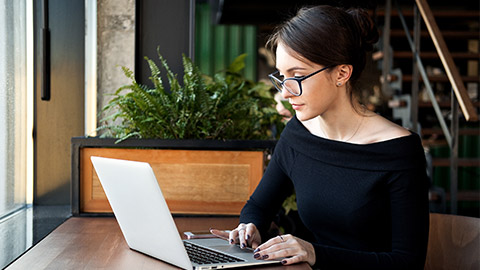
312,257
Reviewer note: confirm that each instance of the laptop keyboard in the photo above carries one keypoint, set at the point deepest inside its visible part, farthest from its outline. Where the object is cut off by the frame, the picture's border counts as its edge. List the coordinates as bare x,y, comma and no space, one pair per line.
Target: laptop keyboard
201,255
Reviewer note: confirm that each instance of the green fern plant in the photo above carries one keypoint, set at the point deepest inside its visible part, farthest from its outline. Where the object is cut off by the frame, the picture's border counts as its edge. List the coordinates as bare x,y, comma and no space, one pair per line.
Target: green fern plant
225,106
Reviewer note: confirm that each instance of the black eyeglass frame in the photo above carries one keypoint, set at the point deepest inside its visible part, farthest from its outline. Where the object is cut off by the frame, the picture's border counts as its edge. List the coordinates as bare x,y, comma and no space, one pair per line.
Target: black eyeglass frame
297,79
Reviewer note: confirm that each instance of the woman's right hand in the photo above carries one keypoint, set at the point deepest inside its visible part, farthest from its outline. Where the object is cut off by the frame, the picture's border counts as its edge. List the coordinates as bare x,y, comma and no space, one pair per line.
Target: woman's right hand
246,235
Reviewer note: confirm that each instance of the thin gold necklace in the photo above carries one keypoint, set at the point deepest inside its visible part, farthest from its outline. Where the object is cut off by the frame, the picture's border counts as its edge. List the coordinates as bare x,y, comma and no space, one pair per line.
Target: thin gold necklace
355,133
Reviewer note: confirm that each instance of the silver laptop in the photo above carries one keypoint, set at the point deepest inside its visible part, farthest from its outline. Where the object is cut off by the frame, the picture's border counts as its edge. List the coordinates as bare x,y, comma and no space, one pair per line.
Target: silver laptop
148,226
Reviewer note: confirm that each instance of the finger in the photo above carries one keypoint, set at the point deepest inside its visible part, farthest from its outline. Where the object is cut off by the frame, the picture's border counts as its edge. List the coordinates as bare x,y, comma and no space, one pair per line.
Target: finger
278,251
249,232
255,244
254,240
221,234
233,236
241,238
278,247
273,241
292,260
291,251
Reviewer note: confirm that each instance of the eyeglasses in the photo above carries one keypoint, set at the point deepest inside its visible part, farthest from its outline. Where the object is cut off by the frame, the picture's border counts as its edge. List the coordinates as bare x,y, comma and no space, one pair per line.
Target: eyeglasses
293,84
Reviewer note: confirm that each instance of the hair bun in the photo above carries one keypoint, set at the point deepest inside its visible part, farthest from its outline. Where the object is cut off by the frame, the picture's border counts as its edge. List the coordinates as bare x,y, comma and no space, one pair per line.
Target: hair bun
367,29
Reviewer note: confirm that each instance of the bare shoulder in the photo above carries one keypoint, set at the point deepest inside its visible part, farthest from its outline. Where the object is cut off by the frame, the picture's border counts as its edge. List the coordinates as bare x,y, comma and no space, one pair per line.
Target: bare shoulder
378,129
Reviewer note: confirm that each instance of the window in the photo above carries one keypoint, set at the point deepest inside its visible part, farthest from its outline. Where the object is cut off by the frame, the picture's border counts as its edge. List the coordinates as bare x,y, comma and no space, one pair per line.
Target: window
16,107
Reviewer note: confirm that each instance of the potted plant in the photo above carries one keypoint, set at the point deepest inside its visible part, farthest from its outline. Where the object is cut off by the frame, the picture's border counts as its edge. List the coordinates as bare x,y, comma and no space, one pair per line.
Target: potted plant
184,131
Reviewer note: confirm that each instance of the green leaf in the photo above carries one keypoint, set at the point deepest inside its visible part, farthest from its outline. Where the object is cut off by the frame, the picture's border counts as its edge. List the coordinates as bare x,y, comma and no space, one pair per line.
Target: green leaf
290,204
288,106
238,64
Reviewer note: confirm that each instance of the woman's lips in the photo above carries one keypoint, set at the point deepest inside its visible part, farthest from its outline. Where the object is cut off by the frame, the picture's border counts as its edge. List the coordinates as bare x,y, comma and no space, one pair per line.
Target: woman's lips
296,106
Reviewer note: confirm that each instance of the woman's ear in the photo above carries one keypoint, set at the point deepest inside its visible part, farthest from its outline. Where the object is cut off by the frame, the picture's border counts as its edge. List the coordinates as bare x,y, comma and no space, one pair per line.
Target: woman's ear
343,74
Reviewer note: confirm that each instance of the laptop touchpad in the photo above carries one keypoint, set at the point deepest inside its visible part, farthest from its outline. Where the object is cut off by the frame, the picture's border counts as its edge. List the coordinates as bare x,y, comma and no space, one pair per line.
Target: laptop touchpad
230,249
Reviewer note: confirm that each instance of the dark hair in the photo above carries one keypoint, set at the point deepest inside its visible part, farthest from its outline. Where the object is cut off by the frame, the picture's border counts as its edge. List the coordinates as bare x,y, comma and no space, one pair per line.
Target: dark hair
329,35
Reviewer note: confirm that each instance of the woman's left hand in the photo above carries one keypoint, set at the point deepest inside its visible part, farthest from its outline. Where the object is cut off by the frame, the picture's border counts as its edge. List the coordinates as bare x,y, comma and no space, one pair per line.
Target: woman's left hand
289,247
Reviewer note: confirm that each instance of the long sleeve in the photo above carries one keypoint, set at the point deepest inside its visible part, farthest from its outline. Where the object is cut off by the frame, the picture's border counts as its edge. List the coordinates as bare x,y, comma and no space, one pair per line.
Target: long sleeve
267,198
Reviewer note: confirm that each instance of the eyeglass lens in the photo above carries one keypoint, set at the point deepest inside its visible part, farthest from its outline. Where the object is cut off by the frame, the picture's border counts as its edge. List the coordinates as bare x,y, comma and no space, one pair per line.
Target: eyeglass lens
291,86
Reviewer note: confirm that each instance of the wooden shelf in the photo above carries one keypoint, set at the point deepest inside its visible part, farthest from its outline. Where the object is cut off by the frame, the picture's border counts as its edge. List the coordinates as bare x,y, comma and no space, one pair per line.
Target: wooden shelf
446,34
466,196
455,14
462,162
463,131
442,104
434,55
461,196
441,78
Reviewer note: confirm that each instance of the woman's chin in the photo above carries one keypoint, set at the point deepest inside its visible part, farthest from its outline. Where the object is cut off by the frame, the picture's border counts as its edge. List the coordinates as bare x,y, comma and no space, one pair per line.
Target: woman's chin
303,116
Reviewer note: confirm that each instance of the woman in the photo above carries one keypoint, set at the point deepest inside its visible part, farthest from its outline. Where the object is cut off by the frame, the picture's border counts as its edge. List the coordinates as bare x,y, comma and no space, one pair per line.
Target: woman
360,180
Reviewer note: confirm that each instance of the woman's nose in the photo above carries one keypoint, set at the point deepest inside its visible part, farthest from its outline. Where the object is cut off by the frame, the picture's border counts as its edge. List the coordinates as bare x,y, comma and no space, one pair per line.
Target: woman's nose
285,93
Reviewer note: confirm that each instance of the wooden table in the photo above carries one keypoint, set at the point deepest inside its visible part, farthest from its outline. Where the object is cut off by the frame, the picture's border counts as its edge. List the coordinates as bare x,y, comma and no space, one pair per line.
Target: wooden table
98,243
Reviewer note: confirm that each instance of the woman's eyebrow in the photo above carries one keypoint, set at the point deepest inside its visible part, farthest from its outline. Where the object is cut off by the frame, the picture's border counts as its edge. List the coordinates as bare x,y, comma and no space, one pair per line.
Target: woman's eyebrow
293,69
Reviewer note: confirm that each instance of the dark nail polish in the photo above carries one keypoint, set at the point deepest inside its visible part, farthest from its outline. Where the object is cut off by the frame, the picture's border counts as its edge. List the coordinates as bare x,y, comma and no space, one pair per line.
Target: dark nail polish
247,237
243,245
256,256
284,262
264,257
231,241
256,250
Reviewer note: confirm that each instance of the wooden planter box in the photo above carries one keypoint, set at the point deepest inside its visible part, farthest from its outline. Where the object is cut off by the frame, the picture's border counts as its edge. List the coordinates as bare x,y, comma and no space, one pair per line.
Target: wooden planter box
196,176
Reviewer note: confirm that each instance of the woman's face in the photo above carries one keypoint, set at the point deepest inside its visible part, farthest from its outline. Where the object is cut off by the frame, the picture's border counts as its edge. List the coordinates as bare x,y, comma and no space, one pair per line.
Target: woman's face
319,91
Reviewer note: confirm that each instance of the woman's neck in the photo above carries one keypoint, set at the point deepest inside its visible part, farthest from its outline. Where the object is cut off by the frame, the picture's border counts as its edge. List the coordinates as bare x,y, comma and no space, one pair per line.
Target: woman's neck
340,125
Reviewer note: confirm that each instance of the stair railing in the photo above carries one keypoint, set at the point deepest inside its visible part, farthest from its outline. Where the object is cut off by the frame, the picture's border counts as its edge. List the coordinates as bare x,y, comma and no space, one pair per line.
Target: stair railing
452,72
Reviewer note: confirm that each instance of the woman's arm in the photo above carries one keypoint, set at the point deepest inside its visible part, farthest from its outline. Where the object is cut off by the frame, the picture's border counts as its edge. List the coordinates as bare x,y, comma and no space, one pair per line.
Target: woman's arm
265,202
268,197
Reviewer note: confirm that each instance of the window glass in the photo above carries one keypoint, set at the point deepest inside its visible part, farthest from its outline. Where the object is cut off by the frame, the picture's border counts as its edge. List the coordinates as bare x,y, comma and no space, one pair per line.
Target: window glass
12,105
15,224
